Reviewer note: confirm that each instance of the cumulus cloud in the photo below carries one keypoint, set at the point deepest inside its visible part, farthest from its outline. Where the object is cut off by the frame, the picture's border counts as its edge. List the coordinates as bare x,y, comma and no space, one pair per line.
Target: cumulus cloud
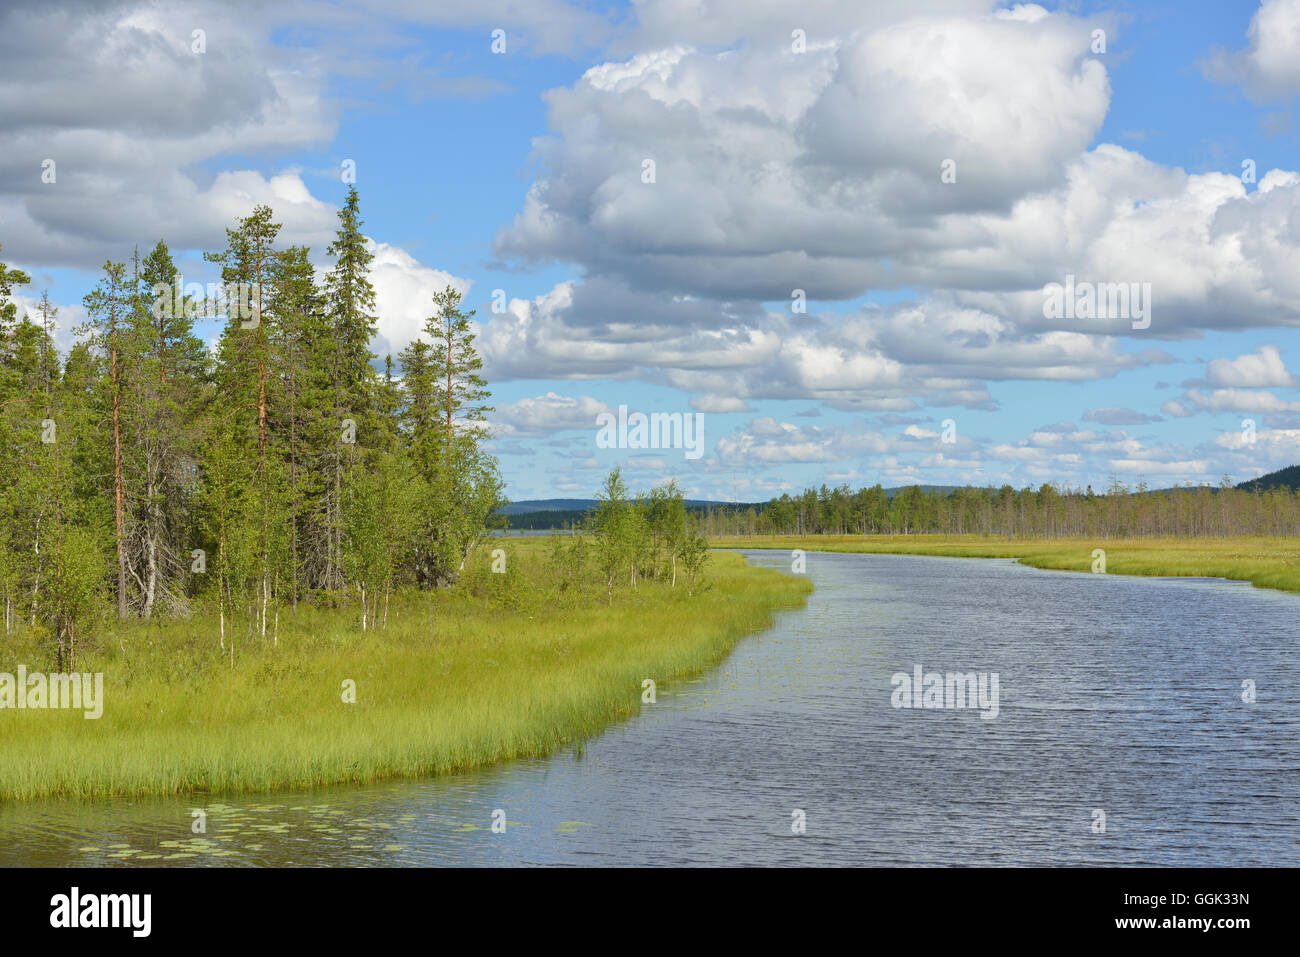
883,359
776,171
545,415
1238,400
1260,369
115,96
1269,66
404,289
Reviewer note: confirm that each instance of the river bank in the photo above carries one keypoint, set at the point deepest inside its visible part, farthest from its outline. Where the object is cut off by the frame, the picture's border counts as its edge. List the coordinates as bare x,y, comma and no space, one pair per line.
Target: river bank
1117,694
456,681
1264,562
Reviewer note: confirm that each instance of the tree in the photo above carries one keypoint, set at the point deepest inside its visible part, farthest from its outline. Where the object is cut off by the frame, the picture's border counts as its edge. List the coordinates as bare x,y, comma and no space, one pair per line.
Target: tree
107,305
243,352
693,553
461,390
8,310
349,306
442,414
611,525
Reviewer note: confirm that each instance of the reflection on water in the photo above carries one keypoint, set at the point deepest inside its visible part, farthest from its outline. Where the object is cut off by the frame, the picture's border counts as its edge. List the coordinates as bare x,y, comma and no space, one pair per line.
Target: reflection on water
1116,694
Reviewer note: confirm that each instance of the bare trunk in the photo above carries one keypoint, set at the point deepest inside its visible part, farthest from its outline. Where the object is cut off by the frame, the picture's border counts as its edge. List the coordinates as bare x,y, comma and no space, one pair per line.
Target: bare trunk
118,487
151,551
221,608
36,582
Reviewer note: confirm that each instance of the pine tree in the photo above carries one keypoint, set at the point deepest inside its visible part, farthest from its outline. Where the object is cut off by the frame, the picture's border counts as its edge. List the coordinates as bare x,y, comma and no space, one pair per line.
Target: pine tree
8,310
460,390
349,306
442,416
107,306
302,388
244,351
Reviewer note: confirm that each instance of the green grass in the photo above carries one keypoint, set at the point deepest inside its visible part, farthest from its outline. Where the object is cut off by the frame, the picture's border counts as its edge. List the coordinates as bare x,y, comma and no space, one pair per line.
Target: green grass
485,673
1265,562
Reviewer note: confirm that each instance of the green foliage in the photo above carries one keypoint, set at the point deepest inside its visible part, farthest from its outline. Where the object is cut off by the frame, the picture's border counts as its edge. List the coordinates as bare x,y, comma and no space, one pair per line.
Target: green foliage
281,468
493,668
1050,511
643,539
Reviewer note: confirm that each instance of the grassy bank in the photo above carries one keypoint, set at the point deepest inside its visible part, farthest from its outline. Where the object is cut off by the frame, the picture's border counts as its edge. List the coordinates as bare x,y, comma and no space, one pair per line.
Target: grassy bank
1265,562
501,668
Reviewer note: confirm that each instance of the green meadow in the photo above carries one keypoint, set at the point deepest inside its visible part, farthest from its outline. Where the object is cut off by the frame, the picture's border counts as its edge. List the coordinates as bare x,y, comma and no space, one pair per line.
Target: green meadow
1265,562
499,667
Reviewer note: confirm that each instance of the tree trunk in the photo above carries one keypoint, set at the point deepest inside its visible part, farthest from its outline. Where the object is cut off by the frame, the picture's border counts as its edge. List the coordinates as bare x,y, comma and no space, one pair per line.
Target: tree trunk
118,488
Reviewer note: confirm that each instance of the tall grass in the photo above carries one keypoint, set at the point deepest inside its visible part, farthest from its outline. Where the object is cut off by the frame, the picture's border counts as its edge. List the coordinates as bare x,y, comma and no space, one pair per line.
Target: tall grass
1265,562
503,667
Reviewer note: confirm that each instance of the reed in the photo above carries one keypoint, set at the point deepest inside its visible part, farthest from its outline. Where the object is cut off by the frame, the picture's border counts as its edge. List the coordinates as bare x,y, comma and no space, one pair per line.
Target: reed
503,667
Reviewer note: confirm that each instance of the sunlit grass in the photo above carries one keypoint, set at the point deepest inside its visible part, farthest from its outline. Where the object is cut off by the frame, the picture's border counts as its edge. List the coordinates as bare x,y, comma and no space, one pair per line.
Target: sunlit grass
457,680
1265,562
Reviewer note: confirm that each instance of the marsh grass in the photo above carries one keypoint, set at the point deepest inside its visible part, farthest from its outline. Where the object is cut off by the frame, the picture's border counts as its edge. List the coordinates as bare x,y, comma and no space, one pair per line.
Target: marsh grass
504,666
1265,562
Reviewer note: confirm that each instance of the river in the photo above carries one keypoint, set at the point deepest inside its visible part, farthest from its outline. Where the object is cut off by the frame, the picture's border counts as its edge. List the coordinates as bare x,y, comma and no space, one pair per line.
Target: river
1118,696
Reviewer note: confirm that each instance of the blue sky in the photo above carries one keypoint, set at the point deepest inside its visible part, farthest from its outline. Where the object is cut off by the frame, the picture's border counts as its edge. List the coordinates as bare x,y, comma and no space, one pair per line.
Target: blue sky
776,170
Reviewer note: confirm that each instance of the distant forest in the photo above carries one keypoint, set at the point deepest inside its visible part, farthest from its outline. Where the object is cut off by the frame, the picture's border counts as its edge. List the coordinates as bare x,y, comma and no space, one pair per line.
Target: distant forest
1268,505
1265,506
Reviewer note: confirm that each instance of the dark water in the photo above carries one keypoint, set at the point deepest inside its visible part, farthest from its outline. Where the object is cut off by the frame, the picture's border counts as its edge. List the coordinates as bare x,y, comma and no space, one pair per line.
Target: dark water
1116,694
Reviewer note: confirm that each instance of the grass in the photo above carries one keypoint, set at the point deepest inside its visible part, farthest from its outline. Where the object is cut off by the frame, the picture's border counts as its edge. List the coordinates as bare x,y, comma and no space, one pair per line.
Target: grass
499,669
1265,562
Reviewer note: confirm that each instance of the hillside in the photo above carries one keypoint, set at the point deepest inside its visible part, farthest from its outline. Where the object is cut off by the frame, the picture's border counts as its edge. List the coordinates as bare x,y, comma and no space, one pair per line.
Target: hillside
1288,478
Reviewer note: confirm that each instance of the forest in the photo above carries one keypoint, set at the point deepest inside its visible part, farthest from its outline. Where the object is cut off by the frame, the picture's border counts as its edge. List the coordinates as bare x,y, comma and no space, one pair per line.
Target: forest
150,476
1048,512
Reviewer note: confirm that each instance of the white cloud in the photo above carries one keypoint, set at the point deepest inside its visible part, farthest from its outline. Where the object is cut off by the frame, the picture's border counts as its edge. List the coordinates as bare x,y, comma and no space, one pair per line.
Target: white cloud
1260,369
719,403
1270,64
404,289
777,171
1237,400
545,415
114,95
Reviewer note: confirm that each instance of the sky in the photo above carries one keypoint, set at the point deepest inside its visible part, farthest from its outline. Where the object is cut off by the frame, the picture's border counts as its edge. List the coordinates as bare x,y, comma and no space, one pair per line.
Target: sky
836,234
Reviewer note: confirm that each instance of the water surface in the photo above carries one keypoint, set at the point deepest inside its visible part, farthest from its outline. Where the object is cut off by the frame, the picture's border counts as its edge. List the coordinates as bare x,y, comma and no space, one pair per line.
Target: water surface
1120,695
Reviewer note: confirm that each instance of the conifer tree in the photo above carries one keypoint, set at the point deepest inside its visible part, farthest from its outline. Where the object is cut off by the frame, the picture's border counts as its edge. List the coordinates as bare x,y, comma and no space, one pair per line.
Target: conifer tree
349,306
107,306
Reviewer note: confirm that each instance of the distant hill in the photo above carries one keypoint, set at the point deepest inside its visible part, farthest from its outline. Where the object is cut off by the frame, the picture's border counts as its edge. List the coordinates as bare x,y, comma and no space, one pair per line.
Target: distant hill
547,505
1288,477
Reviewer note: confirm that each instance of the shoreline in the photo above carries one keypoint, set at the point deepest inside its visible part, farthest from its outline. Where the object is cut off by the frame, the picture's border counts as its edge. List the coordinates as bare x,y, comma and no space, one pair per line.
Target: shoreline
455,684
1270,563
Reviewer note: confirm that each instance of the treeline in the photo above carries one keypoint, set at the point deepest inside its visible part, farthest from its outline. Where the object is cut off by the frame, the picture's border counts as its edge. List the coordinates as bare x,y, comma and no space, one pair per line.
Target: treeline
1049,511
145,473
